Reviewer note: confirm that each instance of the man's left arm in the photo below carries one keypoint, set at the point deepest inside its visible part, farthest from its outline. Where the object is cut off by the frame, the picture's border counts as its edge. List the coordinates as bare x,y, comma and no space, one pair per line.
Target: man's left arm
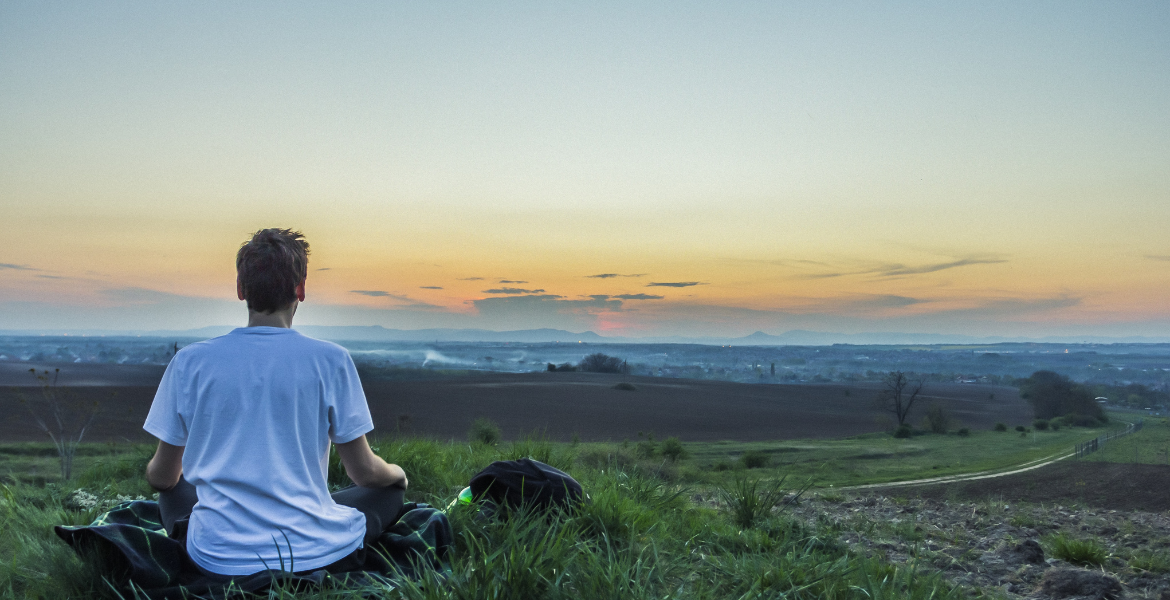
165,468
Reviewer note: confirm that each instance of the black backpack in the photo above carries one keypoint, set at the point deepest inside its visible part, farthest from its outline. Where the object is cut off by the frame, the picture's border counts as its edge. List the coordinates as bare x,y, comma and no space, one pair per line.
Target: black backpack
526,482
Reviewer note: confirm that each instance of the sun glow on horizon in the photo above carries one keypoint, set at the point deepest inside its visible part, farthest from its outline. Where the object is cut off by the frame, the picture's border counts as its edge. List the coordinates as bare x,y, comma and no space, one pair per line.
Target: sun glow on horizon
973,169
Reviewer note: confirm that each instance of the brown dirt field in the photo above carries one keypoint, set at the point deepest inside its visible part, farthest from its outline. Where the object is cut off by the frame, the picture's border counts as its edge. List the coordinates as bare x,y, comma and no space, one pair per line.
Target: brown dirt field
585,404
1115,486
561,404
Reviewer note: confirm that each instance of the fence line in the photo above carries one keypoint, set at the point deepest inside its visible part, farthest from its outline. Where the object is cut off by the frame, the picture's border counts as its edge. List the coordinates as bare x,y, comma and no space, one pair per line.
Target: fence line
1091,446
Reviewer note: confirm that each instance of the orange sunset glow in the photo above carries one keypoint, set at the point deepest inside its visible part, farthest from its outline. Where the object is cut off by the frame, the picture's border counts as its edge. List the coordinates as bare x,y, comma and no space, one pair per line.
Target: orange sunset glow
633,170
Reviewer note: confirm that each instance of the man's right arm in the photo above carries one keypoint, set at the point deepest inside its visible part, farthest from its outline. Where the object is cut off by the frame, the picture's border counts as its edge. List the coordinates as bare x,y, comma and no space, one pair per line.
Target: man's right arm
368,469
165,468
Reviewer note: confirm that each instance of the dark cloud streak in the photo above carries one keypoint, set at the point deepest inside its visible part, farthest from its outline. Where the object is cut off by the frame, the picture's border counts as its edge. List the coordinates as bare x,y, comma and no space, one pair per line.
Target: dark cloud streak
509,290
675,284
963,262
639,297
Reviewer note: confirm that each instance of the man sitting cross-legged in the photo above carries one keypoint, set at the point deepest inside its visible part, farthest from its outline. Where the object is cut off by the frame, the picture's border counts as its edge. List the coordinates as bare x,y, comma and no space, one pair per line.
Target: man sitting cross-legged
245,422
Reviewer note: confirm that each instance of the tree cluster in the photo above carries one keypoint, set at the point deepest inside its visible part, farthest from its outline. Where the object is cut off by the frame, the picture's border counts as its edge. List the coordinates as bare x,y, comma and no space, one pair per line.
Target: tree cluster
602,363
1053,395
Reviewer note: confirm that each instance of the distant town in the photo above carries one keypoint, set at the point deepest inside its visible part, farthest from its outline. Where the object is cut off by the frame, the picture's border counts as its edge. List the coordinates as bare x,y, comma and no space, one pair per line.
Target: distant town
1133,376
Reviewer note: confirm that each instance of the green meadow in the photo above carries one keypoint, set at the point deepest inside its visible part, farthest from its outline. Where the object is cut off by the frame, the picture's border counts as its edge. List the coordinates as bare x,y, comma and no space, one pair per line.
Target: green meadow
1150,446
664,520
881,458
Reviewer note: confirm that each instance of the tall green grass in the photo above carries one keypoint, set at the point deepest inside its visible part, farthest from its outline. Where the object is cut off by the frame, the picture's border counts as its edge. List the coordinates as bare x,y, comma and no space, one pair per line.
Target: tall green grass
1086,552
641,535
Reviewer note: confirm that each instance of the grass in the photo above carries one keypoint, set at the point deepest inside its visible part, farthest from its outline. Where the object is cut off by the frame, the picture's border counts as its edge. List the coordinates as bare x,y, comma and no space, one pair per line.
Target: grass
750,500
878,458
1084,552
641,536
1150,446
1154,561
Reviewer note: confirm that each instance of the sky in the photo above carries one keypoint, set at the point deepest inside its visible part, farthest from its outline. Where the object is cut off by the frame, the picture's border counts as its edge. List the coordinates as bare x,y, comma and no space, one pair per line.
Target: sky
633,168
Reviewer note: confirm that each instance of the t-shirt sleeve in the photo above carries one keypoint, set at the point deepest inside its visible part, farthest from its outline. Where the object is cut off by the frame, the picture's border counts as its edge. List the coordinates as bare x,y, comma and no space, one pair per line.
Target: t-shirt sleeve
349,414
164,421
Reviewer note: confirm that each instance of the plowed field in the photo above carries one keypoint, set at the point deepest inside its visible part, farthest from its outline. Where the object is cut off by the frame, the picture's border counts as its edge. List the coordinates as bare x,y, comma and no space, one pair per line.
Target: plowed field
560,404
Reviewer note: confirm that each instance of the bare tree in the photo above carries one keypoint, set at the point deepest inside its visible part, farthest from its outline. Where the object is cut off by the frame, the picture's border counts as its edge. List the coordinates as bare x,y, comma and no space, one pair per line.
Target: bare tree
899,394
62,416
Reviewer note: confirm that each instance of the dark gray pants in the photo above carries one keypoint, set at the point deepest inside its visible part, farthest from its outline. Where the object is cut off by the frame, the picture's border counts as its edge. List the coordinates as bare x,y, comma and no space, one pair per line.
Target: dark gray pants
380,505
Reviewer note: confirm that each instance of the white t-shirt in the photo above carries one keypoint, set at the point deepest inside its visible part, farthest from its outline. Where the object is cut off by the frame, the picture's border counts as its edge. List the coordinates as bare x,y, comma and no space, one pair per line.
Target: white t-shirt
256,410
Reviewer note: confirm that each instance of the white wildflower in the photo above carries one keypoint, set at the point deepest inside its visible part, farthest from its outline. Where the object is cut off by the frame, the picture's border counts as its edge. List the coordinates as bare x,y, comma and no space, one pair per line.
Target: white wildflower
83,500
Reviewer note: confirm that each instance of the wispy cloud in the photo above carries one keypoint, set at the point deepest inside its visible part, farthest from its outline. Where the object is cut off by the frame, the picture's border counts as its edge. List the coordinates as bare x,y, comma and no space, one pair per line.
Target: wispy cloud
407,301
325,269
429,287
885,269
510,290
50,276
675,284
1015,306
549,310
963,262
13,267
639,297
612,275
470,279
511,281
1163,257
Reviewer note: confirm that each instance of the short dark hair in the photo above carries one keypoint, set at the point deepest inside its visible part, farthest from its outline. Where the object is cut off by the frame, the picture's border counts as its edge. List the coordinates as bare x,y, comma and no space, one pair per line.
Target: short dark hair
270,266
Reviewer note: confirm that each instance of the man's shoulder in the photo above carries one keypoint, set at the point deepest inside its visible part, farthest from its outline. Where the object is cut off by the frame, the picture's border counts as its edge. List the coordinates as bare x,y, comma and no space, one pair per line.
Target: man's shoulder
319,344
288,341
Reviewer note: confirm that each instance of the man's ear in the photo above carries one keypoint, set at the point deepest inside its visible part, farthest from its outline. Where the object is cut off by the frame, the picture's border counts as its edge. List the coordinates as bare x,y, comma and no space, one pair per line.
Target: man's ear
300,291
239,288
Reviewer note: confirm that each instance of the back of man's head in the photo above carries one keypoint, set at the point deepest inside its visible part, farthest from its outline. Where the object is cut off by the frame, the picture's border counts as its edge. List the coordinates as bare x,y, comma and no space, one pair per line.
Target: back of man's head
270,266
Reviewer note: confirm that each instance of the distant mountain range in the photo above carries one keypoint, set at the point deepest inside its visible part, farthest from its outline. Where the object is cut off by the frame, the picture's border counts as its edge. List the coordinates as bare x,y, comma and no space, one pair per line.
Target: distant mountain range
376,333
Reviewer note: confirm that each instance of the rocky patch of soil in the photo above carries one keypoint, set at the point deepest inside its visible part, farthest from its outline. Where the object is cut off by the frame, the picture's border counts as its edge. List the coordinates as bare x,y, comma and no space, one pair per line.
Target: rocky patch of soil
1004,549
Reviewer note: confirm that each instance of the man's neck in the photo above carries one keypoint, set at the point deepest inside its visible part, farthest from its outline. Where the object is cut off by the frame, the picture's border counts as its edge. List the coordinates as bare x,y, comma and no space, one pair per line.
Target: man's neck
279,318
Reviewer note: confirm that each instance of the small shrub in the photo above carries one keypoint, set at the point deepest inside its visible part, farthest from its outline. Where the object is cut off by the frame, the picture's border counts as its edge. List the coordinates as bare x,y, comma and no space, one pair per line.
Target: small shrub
673,449
1054,425
484,431
964,432
903,431
1025,520
625,387
646,448
754,459
832,497
937,419
1000,427
1151,560
1077,552
608,458
751,499
1040,424
722,465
